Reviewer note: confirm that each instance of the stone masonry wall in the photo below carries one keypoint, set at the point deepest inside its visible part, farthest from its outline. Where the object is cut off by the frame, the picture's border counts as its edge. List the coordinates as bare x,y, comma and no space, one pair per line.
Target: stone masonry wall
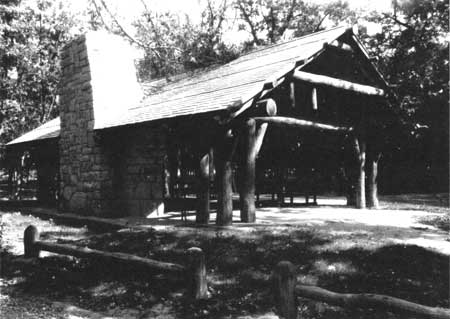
85,174
140,171
95,178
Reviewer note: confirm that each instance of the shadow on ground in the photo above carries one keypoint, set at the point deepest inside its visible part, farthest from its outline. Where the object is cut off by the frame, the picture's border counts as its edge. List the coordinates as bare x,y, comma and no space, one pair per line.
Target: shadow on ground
239,266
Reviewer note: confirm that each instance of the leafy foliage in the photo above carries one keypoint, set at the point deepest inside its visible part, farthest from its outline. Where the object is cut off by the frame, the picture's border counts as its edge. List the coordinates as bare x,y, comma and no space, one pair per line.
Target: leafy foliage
31,34
413,51
268,21
412,47
174,44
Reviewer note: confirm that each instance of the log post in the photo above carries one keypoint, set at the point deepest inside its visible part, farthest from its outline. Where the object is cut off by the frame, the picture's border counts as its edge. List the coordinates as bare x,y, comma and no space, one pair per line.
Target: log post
360,143
224,155
197,283
315,106
292,94
361,182
372,175
167,178
30,237
248,180
284,281
202,216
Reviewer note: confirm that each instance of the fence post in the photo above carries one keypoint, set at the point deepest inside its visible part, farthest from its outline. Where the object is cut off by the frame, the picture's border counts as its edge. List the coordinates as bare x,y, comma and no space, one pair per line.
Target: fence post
30,237
284,280
197,284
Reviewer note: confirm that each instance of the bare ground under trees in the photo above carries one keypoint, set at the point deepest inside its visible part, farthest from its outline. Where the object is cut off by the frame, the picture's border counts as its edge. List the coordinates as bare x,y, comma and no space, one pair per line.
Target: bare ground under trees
341,253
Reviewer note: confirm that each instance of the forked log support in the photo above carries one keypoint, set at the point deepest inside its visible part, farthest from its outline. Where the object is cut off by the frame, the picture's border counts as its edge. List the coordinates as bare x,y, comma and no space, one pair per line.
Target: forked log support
372,180
223,156
360,145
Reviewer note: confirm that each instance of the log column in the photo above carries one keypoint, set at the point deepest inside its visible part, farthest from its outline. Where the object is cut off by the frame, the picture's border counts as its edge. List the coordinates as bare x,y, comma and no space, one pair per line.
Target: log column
248,178
360,144
361,183
223,157
202,216
372,175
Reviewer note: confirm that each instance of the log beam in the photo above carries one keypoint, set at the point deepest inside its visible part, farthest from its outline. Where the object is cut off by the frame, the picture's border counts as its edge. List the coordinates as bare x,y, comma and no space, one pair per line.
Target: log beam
295,122
267,106
337,83
261,132
84,252
370,301
286,290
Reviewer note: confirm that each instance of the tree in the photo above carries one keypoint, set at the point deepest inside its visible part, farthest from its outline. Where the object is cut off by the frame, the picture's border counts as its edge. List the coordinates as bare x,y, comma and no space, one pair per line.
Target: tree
413,51
174,44
268,20
31,34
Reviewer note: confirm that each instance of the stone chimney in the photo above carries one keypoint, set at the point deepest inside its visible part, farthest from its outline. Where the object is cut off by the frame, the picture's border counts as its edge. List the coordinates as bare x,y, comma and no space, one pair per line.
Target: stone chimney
98,83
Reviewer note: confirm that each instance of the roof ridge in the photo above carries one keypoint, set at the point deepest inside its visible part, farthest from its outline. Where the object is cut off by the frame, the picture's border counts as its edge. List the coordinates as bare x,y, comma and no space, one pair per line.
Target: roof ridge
200,71
266,47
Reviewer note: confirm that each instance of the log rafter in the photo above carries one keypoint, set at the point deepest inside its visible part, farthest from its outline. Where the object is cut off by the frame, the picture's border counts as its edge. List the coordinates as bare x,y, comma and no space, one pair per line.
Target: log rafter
296,122
337,83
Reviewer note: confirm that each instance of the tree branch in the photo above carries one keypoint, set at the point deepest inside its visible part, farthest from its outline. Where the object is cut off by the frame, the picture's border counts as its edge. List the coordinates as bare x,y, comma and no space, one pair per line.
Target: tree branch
247,19
396,20
317,28
288,18
133,40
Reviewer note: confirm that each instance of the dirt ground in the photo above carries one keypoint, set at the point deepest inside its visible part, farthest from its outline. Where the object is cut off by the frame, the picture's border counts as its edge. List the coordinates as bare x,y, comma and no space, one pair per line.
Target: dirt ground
401,250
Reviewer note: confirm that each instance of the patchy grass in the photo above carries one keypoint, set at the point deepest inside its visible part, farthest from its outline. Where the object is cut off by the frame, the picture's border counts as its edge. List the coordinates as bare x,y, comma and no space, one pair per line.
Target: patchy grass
338,256
432,203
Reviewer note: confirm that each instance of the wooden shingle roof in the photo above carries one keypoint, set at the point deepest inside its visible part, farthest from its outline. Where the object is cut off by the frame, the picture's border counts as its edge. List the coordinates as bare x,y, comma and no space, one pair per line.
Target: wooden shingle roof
45,131
227,86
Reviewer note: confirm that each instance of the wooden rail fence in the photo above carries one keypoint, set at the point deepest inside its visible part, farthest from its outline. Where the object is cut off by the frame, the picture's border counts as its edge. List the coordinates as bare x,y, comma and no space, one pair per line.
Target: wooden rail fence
286,292
194,272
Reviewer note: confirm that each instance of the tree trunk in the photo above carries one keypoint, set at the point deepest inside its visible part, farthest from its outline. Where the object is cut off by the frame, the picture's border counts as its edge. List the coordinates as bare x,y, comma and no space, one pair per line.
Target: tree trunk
202,216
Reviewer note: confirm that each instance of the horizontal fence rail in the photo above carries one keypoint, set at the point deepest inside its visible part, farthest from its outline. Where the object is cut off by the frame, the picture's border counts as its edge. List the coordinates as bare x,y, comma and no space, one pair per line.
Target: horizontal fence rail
195,271
286,292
